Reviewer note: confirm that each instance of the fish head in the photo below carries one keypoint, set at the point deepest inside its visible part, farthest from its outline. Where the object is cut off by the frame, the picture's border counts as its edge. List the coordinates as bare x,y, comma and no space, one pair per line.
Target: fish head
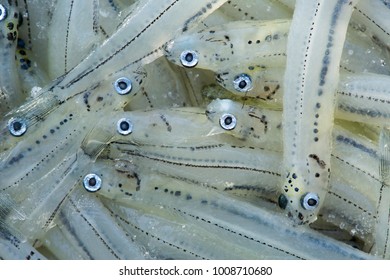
300,203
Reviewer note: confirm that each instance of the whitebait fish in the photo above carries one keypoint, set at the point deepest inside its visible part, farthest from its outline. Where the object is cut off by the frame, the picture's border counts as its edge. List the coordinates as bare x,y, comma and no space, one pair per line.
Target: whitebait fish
141,129
309,98
10,89
186,206
207,166
214,48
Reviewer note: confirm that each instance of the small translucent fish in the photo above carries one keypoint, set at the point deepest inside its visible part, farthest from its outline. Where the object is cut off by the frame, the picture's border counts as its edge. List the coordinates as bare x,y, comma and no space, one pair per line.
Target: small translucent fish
258,233
10,89
166,133
308,103
219,47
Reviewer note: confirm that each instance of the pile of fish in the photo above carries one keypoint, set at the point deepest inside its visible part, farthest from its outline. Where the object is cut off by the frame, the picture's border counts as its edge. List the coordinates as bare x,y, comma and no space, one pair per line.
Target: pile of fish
178,129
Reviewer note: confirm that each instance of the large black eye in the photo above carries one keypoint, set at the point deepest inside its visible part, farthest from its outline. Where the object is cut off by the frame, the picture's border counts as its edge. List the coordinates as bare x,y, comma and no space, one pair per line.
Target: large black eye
17,126
242,83
92,182
123,86
189,58
228,121
282,201
310,201
124,126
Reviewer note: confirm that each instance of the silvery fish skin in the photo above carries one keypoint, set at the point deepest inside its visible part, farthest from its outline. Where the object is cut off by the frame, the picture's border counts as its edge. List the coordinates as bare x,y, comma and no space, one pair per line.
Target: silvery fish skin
111,151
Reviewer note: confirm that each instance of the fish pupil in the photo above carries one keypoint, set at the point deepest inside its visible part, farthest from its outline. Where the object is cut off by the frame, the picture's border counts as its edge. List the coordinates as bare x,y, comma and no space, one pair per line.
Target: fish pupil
17,126
122,85
242,84
92,182
124,126
228,120
189,57
312,202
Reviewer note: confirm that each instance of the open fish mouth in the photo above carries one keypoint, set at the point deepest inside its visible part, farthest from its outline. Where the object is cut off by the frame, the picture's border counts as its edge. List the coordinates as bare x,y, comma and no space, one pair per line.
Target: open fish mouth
194,129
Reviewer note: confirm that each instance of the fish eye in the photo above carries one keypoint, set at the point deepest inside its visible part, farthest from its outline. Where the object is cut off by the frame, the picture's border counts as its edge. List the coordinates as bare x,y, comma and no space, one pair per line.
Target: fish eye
189,58
309,201
3,12
17,126
228,121
282,201
123,86
124,126
92,182
242,83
